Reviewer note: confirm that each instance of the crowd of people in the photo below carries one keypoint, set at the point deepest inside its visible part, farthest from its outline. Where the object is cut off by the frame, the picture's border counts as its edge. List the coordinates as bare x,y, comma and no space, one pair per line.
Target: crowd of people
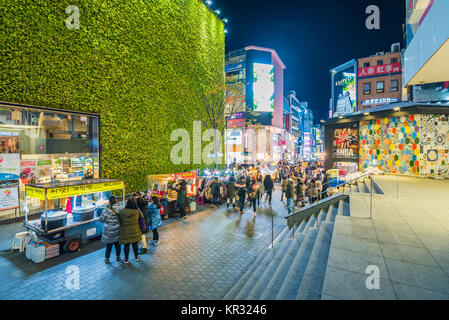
251,184
129,227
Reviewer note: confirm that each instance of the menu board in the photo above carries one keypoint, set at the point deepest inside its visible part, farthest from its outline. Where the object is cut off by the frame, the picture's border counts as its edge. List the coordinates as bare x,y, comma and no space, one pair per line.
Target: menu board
9,198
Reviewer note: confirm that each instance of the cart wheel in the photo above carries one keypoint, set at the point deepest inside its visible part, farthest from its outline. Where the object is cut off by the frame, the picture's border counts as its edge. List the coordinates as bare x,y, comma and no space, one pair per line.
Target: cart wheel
72,245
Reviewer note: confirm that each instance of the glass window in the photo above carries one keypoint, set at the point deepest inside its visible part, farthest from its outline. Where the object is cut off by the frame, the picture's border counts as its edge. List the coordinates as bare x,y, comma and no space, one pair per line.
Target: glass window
366,64
380,62
367,88
394,60
380,88
394,86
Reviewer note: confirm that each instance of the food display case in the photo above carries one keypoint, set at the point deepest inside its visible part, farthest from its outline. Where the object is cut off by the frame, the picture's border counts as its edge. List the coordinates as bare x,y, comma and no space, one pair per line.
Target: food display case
76,216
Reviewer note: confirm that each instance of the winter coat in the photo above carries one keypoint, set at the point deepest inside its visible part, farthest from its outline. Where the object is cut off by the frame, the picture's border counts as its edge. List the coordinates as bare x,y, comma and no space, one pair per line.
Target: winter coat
215,188
268,184
261,188
146,218
129,226
284,185
181,199
111,229
254,191
326,181
311,190
289,192
299,191
230,186
155,217
242,193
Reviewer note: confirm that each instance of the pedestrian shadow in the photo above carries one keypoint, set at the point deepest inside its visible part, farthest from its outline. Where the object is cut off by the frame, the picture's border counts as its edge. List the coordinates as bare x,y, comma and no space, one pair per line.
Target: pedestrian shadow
250,227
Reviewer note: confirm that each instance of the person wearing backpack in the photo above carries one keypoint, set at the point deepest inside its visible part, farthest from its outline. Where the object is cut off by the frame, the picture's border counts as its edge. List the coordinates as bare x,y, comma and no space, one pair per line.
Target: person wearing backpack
111,230
154,213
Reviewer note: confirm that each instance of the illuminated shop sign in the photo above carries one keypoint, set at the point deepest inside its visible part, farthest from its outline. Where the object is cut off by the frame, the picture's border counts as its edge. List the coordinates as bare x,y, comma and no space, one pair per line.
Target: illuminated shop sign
379,101
346,142
263,87
345,91
380,70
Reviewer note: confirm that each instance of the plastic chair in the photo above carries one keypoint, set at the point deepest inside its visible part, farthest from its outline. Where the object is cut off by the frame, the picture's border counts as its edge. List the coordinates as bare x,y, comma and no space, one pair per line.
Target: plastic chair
20,238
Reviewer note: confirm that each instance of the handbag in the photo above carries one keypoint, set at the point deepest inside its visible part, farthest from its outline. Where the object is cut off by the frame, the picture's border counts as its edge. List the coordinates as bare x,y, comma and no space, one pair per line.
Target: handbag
142,225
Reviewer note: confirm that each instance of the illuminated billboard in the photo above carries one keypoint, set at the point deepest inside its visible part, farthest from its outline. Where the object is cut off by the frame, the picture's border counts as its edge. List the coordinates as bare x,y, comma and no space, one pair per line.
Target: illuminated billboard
344,82
263,87
346,142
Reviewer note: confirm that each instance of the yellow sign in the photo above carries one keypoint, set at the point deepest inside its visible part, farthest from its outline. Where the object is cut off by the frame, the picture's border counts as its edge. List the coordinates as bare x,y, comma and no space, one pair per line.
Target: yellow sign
65,192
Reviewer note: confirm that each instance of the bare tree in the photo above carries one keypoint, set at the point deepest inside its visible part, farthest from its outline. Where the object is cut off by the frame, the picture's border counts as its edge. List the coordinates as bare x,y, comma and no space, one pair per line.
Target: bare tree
216,107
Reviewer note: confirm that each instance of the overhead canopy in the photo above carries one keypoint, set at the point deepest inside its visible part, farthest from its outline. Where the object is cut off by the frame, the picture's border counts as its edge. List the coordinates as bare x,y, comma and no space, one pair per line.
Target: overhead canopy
73,188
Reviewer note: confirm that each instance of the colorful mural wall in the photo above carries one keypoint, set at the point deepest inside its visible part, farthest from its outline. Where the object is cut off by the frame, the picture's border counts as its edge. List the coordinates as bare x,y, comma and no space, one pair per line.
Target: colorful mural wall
435,145
412,145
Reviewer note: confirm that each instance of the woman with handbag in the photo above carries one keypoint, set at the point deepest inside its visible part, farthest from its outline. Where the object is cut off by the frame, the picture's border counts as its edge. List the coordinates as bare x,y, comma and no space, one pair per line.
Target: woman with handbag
111,231
131,229
142,207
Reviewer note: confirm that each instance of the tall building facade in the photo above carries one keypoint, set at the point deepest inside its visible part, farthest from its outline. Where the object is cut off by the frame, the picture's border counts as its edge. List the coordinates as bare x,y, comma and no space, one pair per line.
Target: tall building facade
380,79
426,58
259,135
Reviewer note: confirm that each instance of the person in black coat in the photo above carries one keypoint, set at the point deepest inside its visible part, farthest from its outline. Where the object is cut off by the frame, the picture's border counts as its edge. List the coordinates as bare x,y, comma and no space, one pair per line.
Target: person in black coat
215,190
242,194
268,184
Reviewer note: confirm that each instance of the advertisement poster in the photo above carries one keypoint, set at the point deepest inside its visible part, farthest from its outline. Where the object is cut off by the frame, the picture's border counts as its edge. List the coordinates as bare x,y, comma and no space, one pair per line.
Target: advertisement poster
431,92
28,170
345,91
263,87
9,166
346,143
9,198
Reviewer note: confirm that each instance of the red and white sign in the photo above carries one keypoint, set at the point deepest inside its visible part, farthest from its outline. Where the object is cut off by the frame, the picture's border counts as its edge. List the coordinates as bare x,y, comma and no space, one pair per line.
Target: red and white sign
380,70
185,175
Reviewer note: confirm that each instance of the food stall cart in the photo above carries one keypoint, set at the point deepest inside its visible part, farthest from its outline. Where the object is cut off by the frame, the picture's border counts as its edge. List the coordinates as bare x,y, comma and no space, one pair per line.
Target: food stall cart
159,186
69,226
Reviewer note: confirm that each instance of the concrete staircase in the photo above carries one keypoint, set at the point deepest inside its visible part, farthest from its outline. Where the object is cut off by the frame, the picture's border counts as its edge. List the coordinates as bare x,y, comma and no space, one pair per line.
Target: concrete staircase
295,268
363,185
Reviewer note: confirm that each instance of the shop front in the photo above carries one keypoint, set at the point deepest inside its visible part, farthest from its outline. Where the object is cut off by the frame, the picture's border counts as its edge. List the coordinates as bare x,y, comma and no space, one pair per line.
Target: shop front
39,145
407,139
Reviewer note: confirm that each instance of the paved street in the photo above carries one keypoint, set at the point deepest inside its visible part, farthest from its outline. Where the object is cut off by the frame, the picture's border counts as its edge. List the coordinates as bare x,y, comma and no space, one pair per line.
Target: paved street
200,258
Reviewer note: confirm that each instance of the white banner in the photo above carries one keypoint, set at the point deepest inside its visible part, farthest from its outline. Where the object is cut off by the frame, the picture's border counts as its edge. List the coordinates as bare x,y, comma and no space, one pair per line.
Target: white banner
9,198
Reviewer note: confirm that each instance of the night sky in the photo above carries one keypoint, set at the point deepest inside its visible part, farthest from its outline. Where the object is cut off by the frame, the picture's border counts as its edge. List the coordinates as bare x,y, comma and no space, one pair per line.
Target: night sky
312,37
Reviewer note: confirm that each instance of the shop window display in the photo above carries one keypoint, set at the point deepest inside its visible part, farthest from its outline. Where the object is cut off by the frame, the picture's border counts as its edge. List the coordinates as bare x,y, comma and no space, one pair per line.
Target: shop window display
50,146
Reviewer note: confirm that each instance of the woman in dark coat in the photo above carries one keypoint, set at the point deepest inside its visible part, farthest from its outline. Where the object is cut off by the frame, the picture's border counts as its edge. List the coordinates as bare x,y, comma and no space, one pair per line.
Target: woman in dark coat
180,201
143,206
111,229
130,233
268,184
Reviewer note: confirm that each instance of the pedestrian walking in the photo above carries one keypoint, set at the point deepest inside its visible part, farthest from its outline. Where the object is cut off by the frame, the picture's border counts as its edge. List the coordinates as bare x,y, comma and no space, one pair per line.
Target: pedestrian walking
253,196
231,192
111,230
290,194
154,212
299,193
215,190
284,188
269,186
261,192
130,232
242,194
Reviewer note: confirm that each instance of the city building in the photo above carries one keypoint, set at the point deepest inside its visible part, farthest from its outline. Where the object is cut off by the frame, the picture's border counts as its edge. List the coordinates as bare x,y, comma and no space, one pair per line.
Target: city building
380,79
426,58
399,138
261,136
295,121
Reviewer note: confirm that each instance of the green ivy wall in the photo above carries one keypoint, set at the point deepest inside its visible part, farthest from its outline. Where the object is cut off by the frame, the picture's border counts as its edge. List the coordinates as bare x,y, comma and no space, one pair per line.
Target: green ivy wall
138,63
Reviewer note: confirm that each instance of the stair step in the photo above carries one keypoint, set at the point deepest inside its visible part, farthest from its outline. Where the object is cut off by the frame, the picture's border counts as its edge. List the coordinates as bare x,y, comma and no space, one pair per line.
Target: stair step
263,280
272,288
313,280
367,185
292,281
254,276
321,217
310,224
241,282
346,208
340,208
301,227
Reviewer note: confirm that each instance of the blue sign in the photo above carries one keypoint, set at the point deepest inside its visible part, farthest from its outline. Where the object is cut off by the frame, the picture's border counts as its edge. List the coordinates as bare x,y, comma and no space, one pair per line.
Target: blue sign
234,67
8,176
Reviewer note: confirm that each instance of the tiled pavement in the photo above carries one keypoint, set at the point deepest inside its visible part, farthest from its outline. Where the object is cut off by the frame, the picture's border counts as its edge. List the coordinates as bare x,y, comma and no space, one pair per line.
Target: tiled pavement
407,238
200,258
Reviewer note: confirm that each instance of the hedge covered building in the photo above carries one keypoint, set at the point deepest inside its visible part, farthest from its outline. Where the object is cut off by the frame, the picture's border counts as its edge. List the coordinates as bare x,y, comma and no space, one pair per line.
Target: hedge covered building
138,65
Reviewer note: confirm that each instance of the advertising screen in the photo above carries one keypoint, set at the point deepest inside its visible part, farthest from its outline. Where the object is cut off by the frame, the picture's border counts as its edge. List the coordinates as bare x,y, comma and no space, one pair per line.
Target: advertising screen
236,120
346,142
263,87
345,91
431,92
